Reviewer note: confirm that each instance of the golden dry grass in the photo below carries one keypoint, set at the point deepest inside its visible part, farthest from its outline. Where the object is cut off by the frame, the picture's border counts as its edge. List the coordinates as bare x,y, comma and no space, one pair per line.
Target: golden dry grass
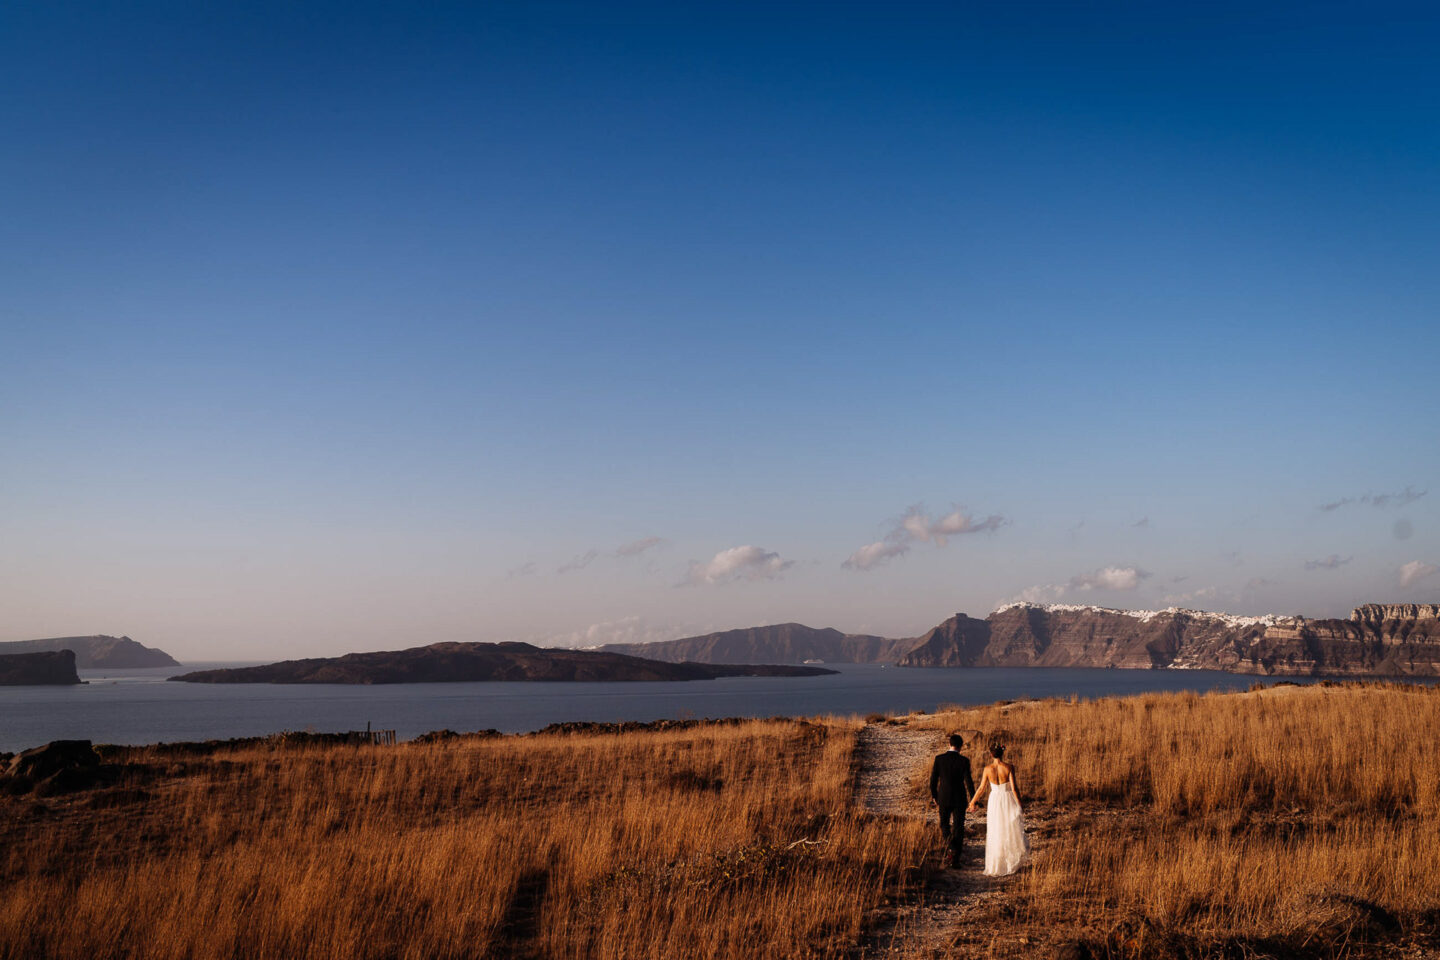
1289,822
655,844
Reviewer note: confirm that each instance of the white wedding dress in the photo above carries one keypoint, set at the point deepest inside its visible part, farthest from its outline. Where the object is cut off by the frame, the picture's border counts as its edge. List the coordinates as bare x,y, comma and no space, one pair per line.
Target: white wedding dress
1005,841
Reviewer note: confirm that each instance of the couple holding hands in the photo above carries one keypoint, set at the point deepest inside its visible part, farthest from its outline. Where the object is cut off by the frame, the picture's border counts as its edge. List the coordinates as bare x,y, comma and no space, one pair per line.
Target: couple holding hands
954,792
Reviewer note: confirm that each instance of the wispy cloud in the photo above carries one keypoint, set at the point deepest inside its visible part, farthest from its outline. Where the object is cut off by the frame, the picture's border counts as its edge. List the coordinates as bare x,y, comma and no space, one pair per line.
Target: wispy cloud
1142,523
1259,583
579,563
1400,499
737,563
873,554
637,547
917,526
626,550
1415,571
1329,563
526,569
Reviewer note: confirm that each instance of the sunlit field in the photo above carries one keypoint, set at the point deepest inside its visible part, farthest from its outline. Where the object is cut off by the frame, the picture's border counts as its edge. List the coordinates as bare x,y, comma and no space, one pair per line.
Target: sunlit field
1287,822
1291,822
720,841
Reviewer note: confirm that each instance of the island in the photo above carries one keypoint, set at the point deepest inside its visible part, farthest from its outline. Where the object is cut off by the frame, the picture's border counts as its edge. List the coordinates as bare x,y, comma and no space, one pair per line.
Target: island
451,662
97,652
45,668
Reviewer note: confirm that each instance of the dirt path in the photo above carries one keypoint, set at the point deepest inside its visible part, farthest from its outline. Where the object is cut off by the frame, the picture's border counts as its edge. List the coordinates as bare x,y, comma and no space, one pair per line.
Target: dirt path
937,923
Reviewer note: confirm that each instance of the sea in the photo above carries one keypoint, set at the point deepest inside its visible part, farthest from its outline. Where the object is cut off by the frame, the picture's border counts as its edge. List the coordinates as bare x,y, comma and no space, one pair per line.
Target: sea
139,706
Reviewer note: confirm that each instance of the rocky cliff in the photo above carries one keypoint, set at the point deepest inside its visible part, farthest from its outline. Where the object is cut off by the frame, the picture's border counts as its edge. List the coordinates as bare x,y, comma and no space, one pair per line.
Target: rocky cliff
1380,612
97,651
1377,640
449,662
779,643
48,667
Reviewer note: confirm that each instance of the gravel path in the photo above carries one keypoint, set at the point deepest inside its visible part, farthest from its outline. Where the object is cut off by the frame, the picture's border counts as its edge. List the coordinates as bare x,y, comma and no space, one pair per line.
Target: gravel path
936,924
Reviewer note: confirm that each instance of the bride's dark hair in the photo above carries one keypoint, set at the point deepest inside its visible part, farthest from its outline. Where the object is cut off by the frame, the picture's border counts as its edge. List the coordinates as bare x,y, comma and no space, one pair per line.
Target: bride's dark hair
997,750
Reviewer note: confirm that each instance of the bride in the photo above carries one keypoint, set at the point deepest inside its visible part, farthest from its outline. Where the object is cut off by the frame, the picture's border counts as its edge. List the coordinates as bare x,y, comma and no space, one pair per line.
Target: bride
1005,842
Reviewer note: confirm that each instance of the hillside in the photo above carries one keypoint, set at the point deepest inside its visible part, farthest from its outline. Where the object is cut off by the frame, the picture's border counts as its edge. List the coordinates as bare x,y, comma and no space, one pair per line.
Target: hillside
780,643
450,662
97,651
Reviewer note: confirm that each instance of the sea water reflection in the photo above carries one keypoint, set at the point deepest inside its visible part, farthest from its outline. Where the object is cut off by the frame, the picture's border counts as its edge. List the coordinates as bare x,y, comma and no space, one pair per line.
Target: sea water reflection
137,706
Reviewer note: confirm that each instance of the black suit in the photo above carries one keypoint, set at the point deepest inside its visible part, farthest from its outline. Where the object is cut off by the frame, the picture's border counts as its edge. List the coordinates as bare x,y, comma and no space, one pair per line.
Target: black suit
951,787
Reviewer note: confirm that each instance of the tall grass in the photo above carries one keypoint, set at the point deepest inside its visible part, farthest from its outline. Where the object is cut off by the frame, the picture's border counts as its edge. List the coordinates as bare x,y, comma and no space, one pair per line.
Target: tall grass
717,842
1287,816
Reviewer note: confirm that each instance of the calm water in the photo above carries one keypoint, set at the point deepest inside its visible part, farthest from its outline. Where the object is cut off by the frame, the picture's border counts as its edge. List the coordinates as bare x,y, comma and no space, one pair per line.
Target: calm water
137,706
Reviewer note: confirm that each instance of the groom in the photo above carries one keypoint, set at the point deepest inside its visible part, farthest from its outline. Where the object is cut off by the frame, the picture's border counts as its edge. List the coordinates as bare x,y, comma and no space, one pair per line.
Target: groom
951,788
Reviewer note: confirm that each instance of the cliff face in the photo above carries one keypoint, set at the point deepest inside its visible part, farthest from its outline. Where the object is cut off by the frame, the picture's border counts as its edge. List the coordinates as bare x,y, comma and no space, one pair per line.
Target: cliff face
44,668
451,662
1360,646
1031,635
780,643
1378,640
97,651
1380,612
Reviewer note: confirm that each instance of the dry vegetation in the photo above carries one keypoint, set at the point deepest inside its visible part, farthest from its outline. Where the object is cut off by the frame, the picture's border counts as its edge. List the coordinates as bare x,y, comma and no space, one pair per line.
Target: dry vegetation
1287,823
720,841
1292,822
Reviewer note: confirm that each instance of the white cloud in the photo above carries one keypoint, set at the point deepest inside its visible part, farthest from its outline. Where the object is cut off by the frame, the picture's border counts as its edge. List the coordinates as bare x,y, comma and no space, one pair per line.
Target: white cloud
1415,571
874,554
918,526
637,547
1040,593
1109,578
738,563
1329,563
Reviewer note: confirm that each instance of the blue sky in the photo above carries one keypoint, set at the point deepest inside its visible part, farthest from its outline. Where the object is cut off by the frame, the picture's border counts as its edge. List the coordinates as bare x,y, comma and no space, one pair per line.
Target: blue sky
347,327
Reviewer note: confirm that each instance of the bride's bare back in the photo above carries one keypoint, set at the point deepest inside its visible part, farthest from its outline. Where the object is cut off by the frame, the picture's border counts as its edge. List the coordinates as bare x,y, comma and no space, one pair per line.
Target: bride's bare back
999,772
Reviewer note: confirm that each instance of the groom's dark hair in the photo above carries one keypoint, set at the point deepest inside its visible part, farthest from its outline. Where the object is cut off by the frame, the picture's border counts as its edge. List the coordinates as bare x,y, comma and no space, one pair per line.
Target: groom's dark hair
957,741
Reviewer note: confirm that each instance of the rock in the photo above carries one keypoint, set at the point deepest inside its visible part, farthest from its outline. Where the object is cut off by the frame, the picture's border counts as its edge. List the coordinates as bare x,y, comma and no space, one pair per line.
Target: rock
38,763
61,766
53,667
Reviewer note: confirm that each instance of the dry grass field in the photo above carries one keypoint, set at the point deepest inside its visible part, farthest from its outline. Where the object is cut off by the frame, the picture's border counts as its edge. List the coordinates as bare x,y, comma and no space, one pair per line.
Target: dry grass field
1289,822
720,841
1293,822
